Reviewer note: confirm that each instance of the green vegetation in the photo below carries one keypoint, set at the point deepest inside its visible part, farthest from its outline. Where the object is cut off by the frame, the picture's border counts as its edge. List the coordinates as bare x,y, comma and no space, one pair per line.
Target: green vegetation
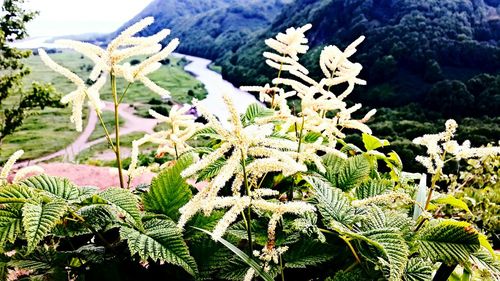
280,200
17,101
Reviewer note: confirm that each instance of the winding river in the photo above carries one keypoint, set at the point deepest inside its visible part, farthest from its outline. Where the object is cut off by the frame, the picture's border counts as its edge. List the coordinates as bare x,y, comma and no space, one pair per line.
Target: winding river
216,86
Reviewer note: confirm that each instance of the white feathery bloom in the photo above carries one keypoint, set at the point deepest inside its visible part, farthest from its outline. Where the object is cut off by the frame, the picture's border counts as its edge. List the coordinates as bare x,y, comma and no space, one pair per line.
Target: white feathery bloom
77,97
441,145
249,275
291,43
125,35
8,165
22,173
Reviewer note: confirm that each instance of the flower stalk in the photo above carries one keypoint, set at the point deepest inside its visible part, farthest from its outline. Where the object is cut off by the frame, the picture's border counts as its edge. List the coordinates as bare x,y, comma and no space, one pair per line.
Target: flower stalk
117,129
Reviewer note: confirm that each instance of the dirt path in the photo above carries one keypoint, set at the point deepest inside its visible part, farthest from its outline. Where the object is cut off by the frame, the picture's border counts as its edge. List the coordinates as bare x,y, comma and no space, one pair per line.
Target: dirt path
132,123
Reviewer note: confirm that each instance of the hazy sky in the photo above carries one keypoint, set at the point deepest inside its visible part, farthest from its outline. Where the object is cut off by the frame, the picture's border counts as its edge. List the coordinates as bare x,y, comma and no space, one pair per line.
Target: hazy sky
66,17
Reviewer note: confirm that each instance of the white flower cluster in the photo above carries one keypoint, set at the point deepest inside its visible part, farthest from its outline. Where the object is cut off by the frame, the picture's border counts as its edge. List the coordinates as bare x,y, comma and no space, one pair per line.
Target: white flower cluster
268,254
317,99
238,143
112,60
173,140
441,145
21,173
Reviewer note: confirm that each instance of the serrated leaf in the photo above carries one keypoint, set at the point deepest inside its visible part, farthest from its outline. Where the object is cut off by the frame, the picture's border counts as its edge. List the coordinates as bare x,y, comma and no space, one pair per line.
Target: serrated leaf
452,201
54,186
307,253
448,241
124,202
331,202
253,112
483,241
393,246
372,142
160,241
355,171
418,269
10,225
39,219
244,257
211,170
373,187
10,194
169,191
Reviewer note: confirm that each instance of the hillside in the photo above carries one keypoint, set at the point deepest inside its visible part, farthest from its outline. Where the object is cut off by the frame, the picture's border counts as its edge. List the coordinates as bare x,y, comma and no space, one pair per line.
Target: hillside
410,45
210,28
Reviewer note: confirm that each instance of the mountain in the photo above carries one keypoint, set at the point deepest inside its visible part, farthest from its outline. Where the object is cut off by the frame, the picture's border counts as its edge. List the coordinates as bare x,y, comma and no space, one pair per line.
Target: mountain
209,28
410,46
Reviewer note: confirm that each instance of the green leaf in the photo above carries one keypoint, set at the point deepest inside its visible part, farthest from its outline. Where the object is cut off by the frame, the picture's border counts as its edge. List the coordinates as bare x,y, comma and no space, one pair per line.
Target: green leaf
10,194
486,263
483,241
124,202
54,186
452,201
311,137
39,219
418,269
307,253
160,241
355,171
10,225
169,191
448,241
331,202
210,256
254,111
393,246
372,143
211,170
244,257
373,187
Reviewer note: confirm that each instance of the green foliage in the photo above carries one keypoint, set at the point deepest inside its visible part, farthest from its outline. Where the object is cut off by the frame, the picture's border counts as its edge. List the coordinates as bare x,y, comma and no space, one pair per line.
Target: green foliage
347,174
54,186
373,187
10,225
448,241
417,269
332,203
244,257
168,191
124,202
15,101
160,241
254,111
39,219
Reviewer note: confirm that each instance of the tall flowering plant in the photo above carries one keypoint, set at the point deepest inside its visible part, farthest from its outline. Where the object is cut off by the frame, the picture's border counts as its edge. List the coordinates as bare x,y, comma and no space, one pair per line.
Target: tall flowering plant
111,63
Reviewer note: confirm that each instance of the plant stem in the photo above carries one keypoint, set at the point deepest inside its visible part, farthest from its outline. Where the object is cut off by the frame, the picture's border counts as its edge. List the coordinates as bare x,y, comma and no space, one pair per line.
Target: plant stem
124,92
117,129
106,132
281,269
249,210
300,133
444,272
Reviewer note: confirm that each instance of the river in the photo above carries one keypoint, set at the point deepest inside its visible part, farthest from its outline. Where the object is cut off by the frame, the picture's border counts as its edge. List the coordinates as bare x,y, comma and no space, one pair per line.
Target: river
216,86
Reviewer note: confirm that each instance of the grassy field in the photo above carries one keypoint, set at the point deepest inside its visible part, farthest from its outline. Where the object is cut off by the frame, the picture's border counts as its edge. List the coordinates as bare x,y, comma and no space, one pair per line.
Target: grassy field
50,130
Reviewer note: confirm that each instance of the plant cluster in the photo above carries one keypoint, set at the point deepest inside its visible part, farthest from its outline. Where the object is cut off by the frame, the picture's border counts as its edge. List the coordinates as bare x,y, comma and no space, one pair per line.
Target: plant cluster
275,192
